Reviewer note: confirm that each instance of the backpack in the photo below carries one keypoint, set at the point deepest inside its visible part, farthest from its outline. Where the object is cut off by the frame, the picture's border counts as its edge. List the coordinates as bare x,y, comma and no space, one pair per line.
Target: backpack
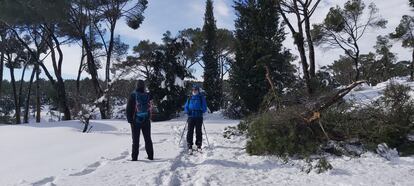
142,106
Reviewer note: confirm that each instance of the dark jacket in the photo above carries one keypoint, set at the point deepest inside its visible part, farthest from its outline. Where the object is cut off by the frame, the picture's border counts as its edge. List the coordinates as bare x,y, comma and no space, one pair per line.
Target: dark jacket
131,107
195,106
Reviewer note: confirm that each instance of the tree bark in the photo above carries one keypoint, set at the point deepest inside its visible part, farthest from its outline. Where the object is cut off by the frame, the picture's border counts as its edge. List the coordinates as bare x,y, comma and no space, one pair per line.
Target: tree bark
412,67
315,114
109,55
16,102
29,92
1,71
94,75
108,67
38,103
80,72
60,84
269,80
299,41
311,47
20,97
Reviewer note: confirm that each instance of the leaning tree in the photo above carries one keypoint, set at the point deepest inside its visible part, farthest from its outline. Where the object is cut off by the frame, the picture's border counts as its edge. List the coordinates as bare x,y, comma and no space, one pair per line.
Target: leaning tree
344,27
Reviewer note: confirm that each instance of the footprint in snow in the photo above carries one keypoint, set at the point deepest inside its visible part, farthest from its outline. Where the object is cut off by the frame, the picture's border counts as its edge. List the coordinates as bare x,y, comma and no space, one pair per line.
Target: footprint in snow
45,181
89,169
121,157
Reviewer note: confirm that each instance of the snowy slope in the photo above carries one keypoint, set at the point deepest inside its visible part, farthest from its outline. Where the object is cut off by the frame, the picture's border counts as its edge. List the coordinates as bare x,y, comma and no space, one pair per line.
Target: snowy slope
58,154
365,94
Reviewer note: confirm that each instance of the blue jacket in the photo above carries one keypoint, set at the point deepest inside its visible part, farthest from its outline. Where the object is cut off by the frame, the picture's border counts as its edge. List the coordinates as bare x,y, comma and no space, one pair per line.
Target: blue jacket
196,106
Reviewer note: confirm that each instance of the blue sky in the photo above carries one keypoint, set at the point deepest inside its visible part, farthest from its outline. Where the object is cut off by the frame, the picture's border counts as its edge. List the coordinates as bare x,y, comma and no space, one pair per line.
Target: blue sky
175,15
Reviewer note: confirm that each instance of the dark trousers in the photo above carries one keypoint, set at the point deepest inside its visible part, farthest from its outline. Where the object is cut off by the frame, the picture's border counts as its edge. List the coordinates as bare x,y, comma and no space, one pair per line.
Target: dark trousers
195,123
145,126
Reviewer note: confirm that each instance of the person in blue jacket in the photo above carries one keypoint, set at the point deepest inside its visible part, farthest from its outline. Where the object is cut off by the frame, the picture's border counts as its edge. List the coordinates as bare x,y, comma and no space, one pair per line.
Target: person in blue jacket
195,107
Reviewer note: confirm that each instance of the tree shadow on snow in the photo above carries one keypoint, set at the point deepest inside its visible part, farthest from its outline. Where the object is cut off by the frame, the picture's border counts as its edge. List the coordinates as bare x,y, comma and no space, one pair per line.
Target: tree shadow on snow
266,165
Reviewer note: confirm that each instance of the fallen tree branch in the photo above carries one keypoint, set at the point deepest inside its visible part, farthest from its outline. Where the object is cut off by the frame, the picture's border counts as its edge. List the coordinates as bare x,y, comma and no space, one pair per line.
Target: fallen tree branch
315,114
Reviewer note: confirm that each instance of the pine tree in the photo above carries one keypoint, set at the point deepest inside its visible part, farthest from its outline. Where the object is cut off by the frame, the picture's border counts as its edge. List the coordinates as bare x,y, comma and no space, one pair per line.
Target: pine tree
404,33
161,66
212,82
261,61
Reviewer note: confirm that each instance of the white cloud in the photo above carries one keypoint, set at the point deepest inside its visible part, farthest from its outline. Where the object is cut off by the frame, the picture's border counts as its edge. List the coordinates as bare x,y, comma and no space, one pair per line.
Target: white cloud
221,8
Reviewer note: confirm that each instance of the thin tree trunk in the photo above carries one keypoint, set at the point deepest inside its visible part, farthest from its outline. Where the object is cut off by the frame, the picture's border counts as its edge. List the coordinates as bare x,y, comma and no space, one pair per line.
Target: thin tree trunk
269,80
21,88
60,84
311,47
80,72
94,75
38,104
63,99
358,73
412,67
29,92
109,55
16,99
108,66
299,41
1,71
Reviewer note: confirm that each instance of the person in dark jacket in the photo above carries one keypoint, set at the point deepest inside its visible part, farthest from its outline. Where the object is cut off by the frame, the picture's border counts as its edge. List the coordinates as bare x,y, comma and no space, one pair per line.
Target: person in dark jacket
195,107
139,117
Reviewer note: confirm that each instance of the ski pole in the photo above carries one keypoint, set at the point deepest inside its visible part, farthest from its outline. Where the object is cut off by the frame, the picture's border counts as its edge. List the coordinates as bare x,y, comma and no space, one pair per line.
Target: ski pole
205,131
182,134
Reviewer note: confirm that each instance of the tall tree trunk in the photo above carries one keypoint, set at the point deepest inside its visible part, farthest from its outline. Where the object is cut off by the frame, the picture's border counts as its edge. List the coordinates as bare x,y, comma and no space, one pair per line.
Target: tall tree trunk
357,75
16,99
109,55
63,99
299,41
1,71
38,103
60,84
108,67
94,75
21,88
311,47
80,72
269,80
412,67
356,62
29,92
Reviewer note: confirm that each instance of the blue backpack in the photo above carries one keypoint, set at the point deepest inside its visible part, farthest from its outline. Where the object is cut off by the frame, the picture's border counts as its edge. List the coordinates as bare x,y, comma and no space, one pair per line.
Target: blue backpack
142,106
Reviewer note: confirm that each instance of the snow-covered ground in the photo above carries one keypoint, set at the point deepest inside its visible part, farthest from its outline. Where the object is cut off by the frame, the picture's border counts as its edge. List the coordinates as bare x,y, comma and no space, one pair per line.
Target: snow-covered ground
365,94
59,154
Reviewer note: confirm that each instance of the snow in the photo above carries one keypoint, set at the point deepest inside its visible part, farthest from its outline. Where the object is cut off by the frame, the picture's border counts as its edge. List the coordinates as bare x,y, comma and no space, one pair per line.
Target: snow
59,154
365,94
179,82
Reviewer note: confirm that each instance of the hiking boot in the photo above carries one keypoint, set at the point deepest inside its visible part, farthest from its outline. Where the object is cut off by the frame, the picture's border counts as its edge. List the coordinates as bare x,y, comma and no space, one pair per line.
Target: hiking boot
150,158
199,149
190,151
